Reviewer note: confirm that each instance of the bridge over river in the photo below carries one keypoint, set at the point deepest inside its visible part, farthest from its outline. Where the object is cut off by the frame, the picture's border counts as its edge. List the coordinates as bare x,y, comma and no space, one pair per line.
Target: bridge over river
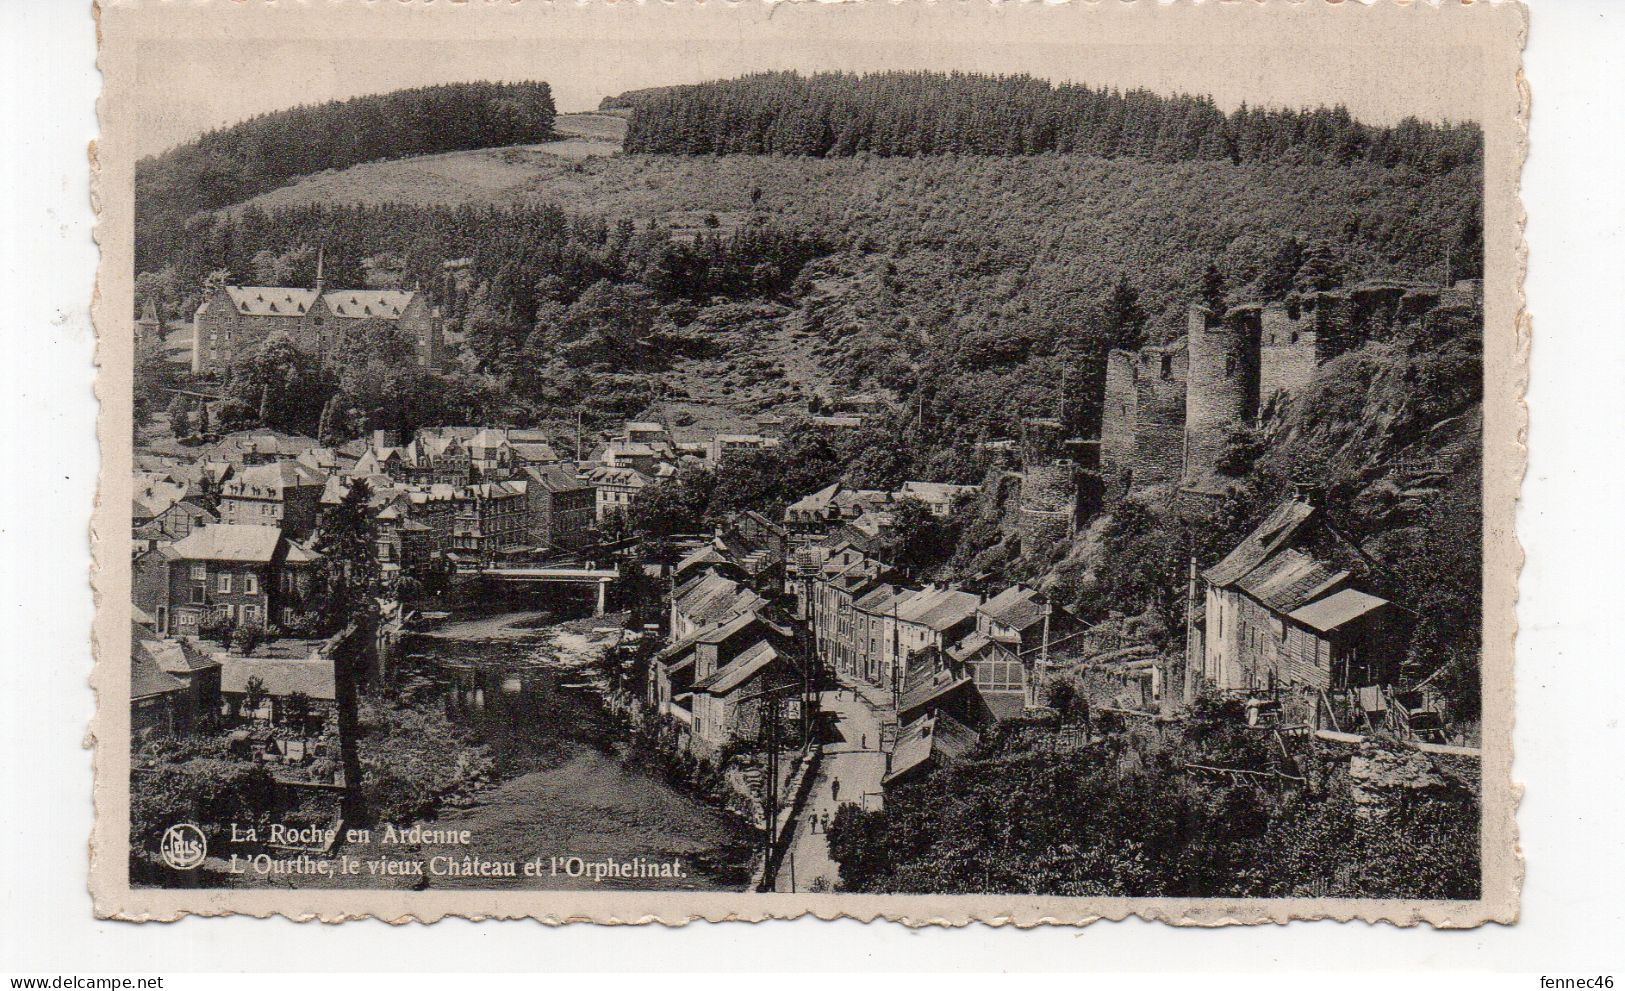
556,575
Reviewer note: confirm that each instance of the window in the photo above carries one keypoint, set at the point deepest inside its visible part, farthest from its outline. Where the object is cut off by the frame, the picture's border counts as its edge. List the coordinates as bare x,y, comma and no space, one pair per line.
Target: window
200,572
223,584
251,614
251,585
1167,366
287,617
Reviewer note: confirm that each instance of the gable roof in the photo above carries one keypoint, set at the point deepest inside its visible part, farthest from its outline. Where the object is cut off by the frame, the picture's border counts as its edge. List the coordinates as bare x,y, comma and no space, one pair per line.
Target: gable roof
1337,609
740,670
280,676
1017,607
361,304
938,737
272,479
270,301
1289,579
147,679
246,542
1277,530
939,609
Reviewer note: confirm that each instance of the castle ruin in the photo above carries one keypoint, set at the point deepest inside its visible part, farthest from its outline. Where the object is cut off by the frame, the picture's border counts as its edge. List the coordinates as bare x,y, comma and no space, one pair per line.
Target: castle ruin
1168,410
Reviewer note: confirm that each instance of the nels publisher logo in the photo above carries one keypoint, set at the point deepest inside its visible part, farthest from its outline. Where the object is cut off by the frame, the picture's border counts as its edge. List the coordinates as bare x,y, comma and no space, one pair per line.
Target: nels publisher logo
183,846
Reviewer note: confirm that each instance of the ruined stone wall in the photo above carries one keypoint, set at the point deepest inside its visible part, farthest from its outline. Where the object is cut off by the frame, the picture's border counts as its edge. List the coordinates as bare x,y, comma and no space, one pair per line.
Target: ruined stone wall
1222,392
1048,504
1119,420
1159,441
1287,355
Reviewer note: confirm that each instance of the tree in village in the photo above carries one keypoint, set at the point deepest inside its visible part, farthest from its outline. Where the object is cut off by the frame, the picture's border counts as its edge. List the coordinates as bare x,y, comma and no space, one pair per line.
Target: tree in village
348,574
285,384
180,416
254,695
347,586
922,541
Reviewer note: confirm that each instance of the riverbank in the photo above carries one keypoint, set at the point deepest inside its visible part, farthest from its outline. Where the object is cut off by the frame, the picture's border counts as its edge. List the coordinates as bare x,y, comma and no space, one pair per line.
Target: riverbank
521,705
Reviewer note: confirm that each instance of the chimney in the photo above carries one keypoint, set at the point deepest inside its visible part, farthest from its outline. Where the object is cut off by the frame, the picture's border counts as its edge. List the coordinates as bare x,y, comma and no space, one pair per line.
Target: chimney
319,281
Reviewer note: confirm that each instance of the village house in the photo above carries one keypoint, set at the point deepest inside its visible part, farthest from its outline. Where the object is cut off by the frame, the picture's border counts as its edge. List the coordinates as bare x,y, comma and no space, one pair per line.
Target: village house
285,681
926,745
1285,609
172,523
706,599
691,659
874,633
940,497
724,445
616,488
284,494
229,573
936,618
727,702
639,457
562,507
174,687
490,454
492,519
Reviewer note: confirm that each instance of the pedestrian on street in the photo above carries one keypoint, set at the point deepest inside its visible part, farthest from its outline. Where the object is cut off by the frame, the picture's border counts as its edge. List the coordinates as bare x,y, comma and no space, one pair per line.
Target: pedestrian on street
863,741
814,823
835,789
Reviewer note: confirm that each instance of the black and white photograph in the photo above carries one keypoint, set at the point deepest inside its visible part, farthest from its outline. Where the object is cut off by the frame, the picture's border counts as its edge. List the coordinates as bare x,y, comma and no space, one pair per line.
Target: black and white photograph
857,469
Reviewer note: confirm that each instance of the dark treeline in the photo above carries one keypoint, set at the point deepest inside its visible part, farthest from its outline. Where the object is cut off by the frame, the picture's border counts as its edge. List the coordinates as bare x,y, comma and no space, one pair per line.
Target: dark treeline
556,310
927,113
522,256
235,163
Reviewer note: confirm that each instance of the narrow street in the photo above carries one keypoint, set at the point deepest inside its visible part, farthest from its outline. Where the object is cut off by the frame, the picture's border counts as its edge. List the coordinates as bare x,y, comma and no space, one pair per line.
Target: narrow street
850,772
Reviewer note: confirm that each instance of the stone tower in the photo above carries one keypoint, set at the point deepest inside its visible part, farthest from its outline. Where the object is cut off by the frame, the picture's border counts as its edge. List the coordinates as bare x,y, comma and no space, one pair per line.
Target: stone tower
1221,392
1049,487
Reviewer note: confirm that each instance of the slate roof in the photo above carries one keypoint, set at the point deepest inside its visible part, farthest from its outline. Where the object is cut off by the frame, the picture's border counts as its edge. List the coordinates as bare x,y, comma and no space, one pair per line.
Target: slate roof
740,670
271,479
939,609
148,679
1017,607
361,304
1275,532
535,452
1290,579
1337,609
941,738
270,301
281,677
938,686
229,542
816,502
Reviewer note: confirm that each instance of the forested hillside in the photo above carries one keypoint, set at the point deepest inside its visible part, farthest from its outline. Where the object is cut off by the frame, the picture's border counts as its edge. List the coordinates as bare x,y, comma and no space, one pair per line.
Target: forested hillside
971,278
841,114
232,164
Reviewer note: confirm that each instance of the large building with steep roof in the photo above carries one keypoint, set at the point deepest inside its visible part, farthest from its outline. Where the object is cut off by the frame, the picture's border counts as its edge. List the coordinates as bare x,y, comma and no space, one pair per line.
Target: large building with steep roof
226,573
1290,606
233,320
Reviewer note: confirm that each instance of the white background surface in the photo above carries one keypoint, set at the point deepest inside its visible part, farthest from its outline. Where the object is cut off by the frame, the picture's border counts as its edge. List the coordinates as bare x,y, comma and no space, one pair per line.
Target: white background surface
1572,610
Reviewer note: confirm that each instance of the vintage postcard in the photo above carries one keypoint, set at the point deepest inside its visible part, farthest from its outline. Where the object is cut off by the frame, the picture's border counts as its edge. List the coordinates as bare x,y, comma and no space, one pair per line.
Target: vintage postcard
1020,463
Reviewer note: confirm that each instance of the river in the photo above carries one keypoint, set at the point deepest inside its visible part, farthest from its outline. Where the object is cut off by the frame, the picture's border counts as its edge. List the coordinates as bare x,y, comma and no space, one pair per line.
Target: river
563,791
